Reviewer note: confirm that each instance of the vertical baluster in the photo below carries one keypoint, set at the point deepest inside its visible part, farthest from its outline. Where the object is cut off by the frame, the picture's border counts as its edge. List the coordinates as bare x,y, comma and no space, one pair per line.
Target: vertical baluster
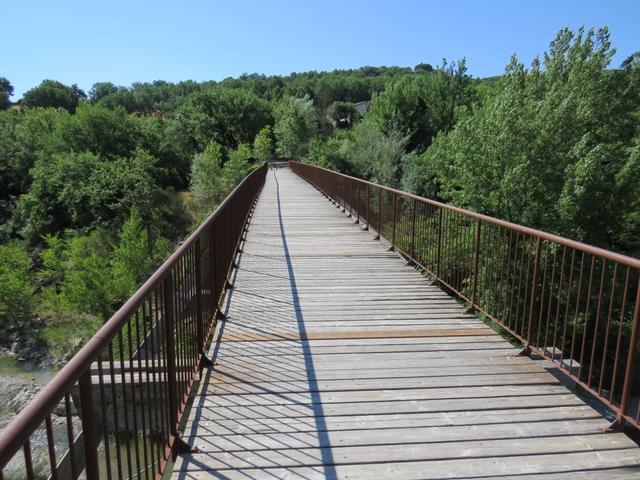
413,230
377,237
476,258
631,356
198,286
88,426
395,213
168,294
534,288
439,248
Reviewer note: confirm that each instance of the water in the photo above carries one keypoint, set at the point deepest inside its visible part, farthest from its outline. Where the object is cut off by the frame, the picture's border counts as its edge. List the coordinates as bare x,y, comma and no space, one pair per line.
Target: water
15,377
10,367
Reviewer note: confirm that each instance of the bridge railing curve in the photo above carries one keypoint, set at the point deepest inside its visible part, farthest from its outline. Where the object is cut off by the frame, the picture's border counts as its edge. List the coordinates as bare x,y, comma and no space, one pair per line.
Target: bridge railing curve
573,303
120,399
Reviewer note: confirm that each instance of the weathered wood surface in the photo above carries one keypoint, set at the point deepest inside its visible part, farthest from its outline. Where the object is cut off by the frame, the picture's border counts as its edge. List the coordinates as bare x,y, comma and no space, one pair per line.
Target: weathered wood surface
339,361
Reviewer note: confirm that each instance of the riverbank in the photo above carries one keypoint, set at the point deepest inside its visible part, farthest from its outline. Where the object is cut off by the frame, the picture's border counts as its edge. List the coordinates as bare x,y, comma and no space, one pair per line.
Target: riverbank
19,383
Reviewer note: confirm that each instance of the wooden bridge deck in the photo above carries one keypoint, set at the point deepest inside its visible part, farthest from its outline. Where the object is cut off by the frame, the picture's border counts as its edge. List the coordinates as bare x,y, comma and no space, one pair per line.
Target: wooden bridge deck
339,361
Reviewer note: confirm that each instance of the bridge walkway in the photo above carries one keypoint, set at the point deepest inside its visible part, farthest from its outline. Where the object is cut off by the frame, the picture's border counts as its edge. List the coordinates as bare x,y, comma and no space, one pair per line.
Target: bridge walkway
339,361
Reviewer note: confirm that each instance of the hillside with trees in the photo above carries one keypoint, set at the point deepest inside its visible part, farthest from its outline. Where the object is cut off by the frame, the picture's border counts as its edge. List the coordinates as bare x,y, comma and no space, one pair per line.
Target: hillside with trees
97,188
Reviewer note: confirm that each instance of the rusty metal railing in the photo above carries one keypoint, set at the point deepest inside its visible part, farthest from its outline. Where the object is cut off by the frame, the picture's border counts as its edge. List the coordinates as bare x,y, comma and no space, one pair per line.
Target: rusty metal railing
573,303
114,410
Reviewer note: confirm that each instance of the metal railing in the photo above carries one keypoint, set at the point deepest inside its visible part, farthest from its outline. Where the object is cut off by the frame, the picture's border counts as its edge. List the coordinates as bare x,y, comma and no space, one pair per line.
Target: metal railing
114,410
573,303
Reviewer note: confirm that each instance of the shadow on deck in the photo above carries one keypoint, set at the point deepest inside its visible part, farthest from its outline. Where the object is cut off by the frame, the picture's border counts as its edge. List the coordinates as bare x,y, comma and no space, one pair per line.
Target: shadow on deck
337,360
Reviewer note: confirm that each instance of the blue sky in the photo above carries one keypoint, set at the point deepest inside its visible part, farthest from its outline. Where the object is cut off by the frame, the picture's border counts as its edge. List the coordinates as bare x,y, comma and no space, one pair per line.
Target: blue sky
140,40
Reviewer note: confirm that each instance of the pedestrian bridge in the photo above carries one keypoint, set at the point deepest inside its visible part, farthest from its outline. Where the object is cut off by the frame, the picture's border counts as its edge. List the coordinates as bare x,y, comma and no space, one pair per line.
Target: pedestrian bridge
318,326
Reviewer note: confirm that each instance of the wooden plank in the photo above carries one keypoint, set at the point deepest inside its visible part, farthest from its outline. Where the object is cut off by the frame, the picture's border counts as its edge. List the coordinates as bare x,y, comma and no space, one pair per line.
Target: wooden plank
393,436
353,454
374,383
228,375
570,465
209,410
392,420
327,398
297,335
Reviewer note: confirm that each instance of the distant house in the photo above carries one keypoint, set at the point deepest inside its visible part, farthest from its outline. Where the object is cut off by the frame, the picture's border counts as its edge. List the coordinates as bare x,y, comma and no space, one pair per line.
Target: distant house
362,107
344,118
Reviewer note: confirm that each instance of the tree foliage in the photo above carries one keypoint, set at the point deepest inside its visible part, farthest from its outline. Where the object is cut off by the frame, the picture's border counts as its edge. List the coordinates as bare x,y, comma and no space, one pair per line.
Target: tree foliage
237,166
135,256
421,106
51,93
227,116
555,147
295,124
16,292
6,92
96,189
84,190
343,114
264,144
375,153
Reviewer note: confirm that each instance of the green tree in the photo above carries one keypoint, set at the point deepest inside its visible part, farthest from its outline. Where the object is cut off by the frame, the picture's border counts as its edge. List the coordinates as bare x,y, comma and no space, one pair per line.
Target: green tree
17,309
375,154
51,93
6,91
105,132
343,114
101,90
295,124
79,265
84,190
227,116
329,152
236,167
134,257
206,179
264,145
423,67
24,136
423,105
553,148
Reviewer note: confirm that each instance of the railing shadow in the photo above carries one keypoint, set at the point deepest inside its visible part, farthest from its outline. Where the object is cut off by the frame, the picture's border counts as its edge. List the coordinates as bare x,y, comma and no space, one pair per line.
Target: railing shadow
303,350
318,413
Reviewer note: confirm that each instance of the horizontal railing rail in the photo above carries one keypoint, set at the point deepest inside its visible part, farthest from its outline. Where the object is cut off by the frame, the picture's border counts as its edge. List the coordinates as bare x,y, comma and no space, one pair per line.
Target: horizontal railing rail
114,410
575,304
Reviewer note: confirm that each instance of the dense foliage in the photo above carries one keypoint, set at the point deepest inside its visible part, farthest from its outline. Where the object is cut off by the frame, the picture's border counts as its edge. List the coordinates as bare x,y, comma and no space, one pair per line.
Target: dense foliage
556,147
96,189
51,93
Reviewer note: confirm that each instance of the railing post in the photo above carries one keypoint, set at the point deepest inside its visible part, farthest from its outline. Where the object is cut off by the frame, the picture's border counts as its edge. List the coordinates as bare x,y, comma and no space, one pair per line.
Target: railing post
168,293
439,248
343,194
631,356
475,266
532,302
199,319
350,194
393,232
368,202
358,207
88,426
377,237
413,229
213,273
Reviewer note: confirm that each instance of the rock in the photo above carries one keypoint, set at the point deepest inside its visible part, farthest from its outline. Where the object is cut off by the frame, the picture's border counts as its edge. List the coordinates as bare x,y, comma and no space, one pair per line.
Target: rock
15,393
